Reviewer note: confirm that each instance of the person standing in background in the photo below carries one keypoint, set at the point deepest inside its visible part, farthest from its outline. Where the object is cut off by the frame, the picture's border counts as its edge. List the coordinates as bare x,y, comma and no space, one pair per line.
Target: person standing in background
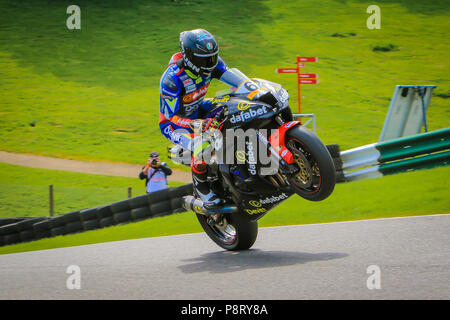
155,173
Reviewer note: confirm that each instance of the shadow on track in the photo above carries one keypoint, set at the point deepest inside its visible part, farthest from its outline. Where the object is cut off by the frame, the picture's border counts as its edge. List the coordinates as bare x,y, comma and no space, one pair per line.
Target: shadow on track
228,261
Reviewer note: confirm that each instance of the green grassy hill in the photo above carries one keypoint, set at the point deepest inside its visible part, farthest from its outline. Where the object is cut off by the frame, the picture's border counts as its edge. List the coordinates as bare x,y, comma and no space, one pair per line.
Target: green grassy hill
93,93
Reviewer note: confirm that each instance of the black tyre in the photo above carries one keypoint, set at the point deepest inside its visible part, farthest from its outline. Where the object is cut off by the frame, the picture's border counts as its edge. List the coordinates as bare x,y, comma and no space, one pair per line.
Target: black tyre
74,227
236,233
158,196
11,238
120,206
176,205
122,216
9,229
106,222
317,176
104,212
88,214
27,224
58,231
42,229
72,217
140,213
6,221
334,150
160,208
27,235
91,224
139,201
57,222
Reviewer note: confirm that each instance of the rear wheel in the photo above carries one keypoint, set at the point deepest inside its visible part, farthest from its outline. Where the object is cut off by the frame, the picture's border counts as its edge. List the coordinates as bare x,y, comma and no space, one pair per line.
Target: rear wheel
316,178
233,232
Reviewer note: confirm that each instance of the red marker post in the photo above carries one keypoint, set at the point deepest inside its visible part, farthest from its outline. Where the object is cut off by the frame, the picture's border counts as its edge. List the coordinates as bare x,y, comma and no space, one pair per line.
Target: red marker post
302,78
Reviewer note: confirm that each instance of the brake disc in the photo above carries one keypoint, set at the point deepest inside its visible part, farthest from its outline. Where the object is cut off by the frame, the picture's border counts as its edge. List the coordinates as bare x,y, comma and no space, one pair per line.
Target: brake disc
304,177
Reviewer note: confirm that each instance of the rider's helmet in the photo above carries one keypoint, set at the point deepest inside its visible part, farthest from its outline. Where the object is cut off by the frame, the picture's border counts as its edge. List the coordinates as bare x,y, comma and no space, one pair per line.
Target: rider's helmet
200,51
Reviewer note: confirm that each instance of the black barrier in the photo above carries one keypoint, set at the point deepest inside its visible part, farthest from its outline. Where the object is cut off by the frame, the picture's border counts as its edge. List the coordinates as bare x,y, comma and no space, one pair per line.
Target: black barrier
25,227
156,204
142,213
6,221
42,229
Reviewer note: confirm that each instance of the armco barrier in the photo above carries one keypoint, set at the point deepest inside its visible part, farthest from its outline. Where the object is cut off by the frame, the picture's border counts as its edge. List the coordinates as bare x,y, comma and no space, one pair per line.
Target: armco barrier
146,206
421,151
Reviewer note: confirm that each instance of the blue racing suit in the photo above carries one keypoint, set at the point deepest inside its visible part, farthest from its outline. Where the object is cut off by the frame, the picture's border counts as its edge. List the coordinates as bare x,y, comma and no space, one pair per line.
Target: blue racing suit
182,99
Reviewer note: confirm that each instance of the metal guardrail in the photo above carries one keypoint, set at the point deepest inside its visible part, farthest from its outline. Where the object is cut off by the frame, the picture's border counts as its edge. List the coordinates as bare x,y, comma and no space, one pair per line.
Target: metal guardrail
421,151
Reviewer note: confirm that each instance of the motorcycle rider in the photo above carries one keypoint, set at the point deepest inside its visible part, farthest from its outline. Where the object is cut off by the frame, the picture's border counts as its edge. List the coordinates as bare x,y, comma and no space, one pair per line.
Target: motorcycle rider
183,87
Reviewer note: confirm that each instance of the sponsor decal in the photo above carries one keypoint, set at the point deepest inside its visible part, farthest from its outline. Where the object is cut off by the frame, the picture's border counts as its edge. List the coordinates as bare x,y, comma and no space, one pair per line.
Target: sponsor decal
190,108
247,115
197,209
175,137
204,36
191,97
255,203
255,211
183,122
191,88
191,65
251,158
250,86
273,199
240,156
188,81
252,94
225,99
242,106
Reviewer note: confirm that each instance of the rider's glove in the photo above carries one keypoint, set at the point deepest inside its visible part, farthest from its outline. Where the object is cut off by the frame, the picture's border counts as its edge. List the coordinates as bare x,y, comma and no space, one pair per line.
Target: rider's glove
210,123
203,125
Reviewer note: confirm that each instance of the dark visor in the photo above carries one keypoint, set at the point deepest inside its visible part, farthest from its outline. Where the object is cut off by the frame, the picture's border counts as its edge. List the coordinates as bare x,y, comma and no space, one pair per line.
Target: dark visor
208,62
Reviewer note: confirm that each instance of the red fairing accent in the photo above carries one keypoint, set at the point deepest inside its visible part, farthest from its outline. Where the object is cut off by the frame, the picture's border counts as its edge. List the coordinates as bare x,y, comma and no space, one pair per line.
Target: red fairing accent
277,141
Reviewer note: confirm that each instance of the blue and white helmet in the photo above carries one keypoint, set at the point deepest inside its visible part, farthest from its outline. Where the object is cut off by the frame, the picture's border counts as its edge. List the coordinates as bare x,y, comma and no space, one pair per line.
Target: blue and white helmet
200,51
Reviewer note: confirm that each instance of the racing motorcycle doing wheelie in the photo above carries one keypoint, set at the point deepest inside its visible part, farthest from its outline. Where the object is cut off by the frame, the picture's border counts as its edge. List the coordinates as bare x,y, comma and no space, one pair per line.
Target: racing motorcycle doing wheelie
260,156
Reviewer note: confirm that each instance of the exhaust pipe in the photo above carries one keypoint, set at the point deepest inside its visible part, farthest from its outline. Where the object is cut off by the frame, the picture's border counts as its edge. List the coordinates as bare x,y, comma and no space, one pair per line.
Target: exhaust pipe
191,203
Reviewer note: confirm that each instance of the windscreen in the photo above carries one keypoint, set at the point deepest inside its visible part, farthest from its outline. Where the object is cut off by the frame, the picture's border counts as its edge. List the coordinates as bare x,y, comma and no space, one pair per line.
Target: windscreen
238,81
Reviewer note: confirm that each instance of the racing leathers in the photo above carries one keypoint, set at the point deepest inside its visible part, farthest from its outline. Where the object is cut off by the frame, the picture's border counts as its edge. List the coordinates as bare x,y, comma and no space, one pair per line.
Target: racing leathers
182,100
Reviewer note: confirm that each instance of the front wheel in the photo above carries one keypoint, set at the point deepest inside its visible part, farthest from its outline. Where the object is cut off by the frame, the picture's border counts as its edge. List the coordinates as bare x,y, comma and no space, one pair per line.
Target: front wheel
316,178
234,232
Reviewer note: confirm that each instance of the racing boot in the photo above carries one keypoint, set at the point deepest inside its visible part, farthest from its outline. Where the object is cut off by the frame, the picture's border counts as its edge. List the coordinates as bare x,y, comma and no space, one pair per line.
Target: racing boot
203,191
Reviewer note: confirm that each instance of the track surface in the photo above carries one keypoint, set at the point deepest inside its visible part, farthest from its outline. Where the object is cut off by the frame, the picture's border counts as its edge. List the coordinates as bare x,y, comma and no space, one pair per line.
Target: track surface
323,261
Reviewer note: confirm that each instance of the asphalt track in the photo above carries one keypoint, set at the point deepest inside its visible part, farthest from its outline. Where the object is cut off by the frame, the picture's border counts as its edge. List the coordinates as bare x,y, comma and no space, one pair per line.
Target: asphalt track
322,261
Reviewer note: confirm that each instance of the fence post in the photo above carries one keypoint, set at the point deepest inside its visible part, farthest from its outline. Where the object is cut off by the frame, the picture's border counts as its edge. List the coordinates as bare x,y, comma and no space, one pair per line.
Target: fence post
129,192
50,189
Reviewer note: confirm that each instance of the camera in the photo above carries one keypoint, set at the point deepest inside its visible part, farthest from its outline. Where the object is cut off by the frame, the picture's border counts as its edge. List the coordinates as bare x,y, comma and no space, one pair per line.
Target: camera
154,162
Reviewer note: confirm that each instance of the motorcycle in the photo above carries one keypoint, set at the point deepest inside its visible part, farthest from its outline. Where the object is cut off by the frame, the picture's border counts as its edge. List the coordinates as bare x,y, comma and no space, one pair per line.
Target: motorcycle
296,161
